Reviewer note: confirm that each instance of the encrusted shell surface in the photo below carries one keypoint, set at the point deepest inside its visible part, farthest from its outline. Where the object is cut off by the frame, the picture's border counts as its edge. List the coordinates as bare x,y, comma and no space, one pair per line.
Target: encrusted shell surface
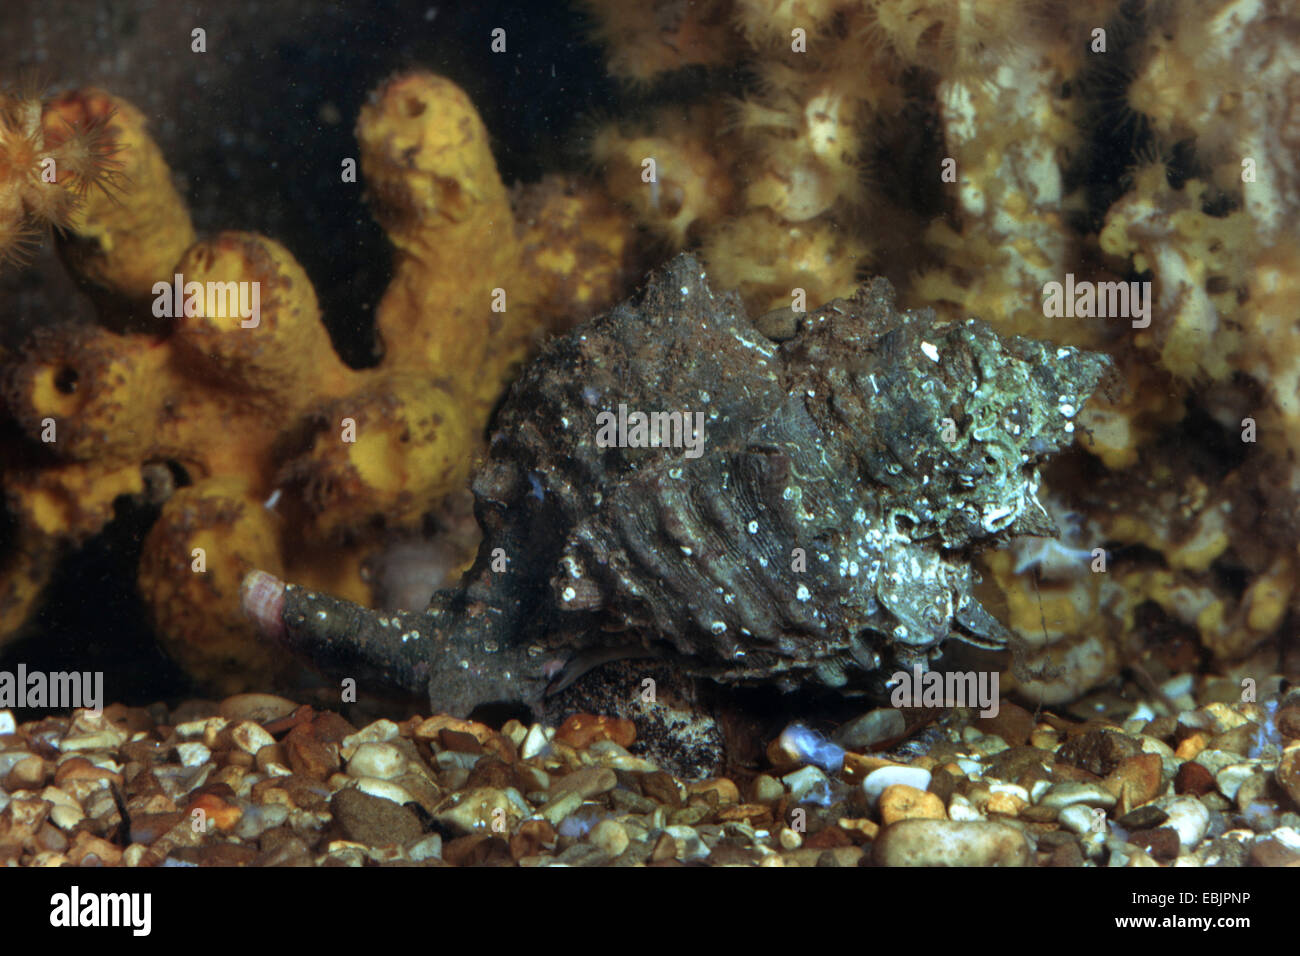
821,534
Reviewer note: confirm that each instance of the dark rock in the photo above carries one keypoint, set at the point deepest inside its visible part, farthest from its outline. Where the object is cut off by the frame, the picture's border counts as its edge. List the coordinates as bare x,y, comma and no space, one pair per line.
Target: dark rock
373,820
1143,818
1098,751
1193,779
1273,853
1162,843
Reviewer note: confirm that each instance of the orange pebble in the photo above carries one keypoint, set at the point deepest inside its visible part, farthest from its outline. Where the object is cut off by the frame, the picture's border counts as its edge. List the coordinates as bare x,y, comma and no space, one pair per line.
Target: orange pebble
582,730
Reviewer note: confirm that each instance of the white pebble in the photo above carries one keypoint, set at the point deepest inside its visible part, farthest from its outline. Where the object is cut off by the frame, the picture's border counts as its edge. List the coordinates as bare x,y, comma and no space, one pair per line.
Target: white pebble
383,761
537,742
193,754
876,781
250,737
378,732
384,789
1190,818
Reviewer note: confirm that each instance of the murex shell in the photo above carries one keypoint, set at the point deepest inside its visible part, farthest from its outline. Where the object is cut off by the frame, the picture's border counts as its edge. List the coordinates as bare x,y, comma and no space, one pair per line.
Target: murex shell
822,536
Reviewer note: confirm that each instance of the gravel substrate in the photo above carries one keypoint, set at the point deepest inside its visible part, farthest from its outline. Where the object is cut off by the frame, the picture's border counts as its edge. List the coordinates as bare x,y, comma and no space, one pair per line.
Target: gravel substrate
257,780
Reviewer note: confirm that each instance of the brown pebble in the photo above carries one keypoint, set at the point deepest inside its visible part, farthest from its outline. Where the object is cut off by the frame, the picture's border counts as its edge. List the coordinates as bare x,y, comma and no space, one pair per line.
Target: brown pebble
1013,724
373,820
1193,779
531,838
757,815
476,849
433,727
1067,854
1135,781
87,849
268,755
661,787
281,847
901,802
79,768
224,854
1098,751
1288,721
726,790
1288,773
330,728
146,828
665,849
301,716
259,708
29,773
1272,853
220,811
582,730
1162,843
828,838
308,755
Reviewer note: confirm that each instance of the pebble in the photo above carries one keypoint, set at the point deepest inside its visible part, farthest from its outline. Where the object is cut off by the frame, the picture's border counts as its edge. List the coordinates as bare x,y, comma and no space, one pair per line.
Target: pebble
91,733
378,732
28,773
259,708
1098,751
1192,778
961,809
1231,777
1189,817
767,789
536,743
384,790
611,836
809,785
381,760
1288,772
1143,818
1136,780
1216,760
586,783
687,843
950,843
250,737
256,820
870,728
876,781
372,821
582,730
1070,792
1078,818
430,848
66,817
193,754
1162,843
1273,853
901,802
557,808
